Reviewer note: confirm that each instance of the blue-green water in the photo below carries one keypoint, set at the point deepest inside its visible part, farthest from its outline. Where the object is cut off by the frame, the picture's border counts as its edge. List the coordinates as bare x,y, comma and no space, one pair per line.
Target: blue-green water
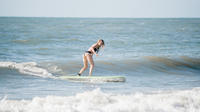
153,54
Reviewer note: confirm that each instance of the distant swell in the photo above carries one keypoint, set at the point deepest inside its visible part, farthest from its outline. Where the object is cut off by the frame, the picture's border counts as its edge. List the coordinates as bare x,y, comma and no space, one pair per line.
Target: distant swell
98,101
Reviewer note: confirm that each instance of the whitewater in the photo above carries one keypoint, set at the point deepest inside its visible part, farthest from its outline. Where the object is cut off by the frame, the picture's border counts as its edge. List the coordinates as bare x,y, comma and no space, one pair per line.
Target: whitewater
96,100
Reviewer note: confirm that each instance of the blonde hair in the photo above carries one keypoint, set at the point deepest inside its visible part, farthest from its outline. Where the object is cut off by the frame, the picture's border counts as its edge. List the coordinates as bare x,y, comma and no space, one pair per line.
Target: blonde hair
103,44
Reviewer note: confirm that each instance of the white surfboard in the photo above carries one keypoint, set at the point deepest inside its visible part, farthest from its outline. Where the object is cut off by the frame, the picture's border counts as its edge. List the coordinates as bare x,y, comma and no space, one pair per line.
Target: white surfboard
94,78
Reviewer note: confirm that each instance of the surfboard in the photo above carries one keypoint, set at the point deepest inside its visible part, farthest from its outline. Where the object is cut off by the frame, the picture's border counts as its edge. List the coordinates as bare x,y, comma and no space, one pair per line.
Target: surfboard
94,78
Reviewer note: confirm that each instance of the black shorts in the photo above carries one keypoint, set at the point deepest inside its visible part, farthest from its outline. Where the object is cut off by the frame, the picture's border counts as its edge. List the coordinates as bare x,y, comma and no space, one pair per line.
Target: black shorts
88,52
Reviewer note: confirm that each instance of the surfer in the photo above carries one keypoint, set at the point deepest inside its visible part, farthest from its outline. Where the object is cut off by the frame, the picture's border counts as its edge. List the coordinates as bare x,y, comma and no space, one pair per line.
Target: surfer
87,56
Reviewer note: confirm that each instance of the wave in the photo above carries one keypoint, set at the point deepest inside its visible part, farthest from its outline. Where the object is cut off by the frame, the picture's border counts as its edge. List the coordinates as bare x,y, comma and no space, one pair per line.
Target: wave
98,101
29,68
182,65
148,64
173,63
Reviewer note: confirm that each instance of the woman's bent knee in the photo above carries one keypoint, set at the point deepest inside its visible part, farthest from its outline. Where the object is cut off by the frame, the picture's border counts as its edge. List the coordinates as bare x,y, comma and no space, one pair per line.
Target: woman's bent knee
85,67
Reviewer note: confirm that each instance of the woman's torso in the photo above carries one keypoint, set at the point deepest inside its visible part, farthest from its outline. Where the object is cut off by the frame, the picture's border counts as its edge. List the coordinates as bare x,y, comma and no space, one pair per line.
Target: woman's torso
95,47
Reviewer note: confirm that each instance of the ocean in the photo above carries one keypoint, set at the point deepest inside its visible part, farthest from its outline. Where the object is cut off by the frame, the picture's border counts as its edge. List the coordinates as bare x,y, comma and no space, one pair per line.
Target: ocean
159,57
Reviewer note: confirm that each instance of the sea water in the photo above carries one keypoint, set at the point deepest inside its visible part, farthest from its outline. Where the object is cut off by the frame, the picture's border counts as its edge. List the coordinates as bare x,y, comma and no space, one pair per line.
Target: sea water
160,59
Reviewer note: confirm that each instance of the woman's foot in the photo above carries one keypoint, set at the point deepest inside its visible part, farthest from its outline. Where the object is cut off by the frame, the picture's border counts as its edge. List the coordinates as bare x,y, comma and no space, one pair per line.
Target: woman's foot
78,74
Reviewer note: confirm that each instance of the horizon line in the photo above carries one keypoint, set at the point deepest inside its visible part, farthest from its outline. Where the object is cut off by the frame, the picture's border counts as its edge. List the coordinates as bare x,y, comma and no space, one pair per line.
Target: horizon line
97,17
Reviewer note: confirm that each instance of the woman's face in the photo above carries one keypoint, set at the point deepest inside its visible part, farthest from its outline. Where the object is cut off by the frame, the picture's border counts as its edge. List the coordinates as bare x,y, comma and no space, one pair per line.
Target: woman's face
100,42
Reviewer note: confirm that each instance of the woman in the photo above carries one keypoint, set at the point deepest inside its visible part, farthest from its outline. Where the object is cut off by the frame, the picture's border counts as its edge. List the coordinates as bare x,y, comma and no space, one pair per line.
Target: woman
87,56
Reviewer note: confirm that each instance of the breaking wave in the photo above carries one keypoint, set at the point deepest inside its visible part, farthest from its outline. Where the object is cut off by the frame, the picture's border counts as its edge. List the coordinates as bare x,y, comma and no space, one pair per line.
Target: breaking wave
98,101
29,68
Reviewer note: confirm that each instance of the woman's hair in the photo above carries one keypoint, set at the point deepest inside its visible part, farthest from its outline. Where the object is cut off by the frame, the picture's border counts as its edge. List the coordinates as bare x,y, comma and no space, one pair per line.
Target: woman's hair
103,44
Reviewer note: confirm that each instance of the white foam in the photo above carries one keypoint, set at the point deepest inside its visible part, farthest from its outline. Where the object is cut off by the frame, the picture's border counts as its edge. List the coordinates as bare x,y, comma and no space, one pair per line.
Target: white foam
97,101
29,68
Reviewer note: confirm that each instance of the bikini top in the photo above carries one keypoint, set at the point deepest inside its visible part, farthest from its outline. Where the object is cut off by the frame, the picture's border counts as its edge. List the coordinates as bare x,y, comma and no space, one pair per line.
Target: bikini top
96,49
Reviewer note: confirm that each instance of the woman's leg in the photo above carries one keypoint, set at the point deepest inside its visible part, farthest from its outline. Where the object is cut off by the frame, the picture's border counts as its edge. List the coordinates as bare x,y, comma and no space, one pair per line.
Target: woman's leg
90,59
85,63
